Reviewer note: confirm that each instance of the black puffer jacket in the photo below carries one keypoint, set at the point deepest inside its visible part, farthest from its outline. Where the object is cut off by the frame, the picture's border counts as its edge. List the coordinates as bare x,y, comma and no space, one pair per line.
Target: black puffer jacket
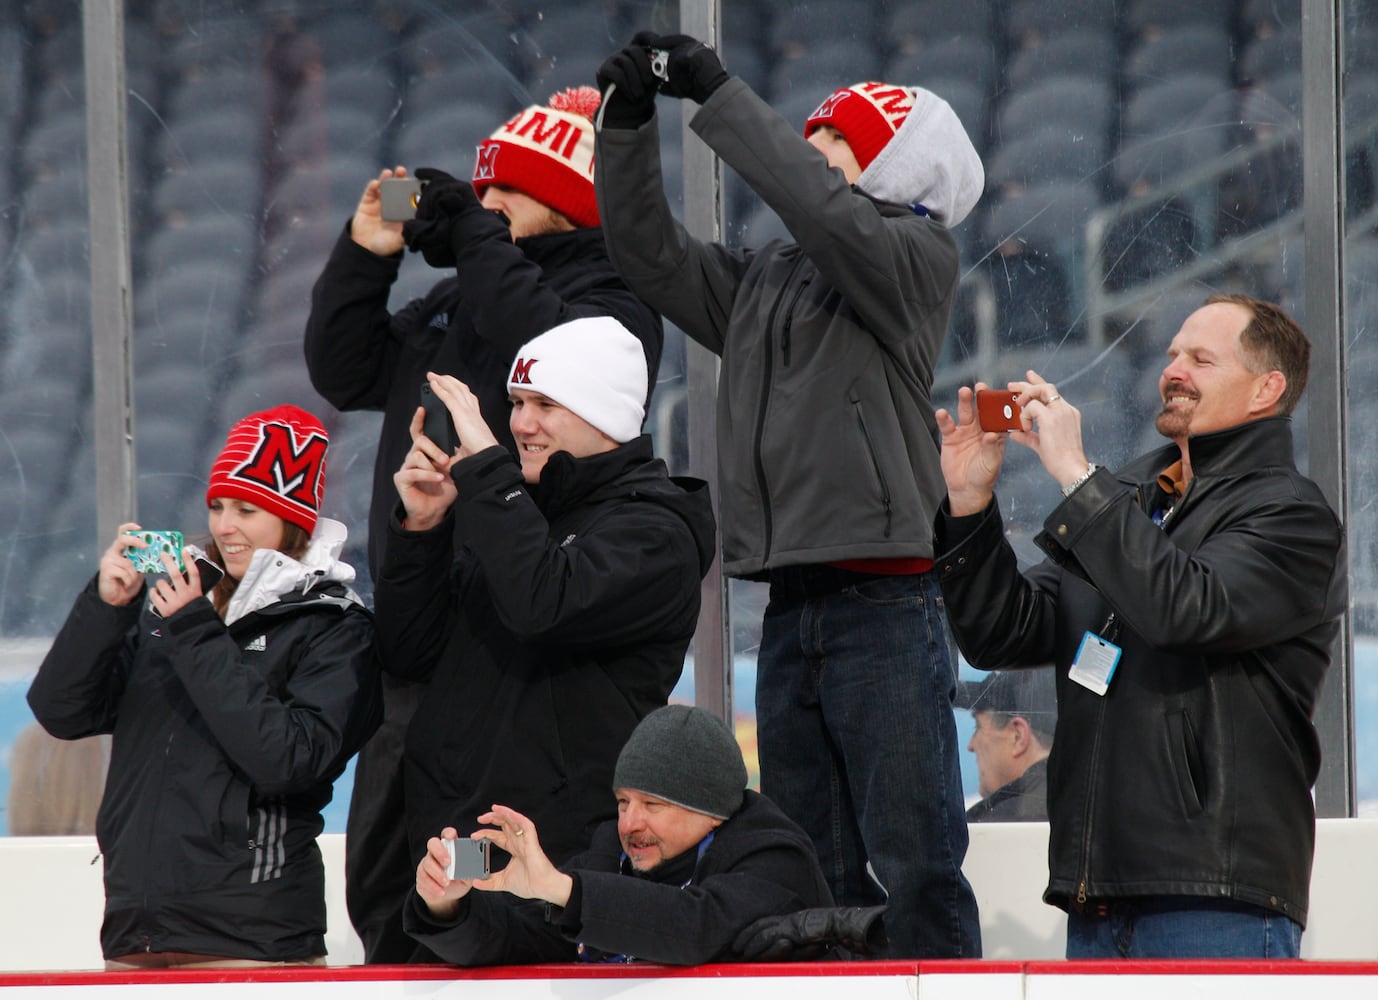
1192,776
470,326
758,864
560,624
227,739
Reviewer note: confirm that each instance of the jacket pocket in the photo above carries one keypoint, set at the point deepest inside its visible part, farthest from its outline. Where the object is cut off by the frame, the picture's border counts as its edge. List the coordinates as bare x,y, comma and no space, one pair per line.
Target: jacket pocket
882,484
1186,762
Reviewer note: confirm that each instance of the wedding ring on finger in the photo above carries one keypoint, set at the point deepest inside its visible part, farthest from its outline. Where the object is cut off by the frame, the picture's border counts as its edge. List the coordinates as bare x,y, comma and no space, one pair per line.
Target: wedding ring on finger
1053,399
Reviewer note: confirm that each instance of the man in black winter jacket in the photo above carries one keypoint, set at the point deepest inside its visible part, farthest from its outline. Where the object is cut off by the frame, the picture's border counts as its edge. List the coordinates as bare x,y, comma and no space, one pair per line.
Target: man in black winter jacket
1189,602
690,862
526,253
547,601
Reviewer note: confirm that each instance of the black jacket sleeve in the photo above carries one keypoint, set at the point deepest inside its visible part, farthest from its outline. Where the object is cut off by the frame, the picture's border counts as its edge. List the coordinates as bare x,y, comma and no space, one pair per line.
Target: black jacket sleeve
632,575
349,330
290,740
415,596
1261,577
507,297
495,928
77,689
510,299
490,929
999,616
694,925
628,576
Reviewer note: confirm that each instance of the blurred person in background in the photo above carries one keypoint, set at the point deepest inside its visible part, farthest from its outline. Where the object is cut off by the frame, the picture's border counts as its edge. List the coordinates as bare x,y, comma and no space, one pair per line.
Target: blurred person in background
1015,712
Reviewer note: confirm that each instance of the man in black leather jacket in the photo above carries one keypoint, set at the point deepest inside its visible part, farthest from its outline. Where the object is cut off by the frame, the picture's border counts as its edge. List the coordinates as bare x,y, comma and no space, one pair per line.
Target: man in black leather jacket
1189,603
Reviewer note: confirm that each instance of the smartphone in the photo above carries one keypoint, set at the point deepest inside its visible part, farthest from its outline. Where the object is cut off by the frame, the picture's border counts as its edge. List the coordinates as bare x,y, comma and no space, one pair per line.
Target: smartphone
150,558
438,425
996,410
399,196
210,573
468,859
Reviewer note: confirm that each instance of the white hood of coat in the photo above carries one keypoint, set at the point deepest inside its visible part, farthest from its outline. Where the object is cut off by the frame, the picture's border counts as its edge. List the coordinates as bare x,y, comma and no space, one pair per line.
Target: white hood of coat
929,161
272,575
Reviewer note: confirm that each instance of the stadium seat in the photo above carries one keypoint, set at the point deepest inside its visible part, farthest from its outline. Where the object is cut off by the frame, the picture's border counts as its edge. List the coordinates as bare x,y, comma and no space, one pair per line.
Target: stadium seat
1076,52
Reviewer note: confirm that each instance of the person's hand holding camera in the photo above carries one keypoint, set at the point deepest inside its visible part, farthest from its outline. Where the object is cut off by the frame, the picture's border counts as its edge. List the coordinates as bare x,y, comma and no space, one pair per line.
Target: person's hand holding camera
368,228
632,101
470,428
443,203
423,482
438,891
693,69
971,457
118,582
529,874
172,593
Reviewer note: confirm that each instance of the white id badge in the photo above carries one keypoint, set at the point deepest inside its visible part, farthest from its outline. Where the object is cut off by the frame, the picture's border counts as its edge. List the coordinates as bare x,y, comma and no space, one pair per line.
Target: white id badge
1095,663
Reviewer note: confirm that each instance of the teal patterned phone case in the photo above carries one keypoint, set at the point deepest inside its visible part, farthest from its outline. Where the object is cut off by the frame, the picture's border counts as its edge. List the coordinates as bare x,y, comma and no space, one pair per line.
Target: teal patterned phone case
150,559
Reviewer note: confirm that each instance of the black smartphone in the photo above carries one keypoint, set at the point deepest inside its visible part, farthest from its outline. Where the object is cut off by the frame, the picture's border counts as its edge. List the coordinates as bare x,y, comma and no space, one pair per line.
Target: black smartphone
210,573
438,425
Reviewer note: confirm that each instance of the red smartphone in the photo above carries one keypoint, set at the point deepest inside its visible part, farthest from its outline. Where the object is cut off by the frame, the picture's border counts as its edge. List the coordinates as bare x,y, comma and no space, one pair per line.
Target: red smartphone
996,410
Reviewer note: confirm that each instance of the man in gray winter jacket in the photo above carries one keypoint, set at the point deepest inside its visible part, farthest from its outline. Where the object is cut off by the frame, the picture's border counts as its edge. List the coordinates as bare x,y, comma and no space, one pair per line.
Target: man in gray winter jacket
827,448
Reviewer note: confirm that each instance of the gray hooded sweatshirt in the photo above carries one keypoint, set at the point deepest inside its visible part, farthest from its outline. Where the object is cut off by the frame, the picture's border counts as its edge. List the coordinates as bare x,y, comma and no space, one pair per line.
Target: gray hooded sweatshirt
827,444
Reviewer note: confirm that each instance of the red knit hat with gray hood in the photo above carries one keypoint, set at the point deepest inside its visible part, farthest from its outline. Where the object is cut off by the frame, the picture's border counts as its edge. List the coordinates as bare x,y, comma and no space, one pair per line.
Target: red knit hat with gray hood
910,145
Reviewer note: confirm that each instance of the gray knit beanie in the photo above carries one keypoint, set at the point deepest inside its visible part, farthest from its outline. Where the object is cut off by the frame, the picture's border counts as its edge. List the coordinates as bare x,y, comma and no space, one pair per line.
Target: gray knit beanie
687,756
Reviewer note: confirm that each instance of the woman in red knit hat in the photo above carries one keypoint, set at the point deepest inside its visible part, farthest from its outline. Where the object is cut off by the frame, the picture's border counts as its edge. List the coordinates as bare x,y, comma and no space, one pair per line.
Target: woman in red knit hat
236,690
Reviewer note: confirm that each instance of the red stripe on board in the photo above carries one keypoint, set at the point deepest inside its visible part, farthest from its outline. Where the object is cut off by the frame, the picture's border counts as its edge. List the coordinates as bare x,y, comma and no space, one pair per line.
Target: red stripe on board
441,973
1200,967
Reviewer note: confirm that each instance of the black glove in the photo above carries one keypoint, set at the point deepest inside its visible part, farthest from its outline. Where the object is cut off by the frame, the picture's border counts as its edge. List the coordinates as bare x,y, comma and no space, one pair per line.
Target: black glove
443,201
633,99
693,68
810,934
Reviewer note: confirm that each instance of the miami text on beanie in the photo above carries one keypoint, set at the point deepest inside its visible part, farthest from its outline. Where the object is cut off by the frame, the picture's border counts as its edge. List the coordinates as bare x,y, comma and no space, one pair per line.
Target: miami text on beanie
867,115
930,161
687,756
274,459
546,153
593,367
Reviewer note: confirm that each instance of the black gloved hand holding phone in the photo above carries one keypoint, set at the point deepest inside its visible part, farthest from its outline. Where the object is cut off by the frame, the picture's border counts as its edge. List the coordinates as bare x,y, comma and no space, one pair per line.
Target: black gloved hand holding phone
693,69
444,201
633,99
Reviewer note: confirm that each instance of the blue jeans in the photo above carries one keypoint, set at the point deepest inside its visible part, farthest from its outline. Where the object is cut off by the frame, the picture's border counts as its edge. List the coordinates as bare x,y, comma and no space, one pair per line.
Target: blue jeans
858,745
1182,927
